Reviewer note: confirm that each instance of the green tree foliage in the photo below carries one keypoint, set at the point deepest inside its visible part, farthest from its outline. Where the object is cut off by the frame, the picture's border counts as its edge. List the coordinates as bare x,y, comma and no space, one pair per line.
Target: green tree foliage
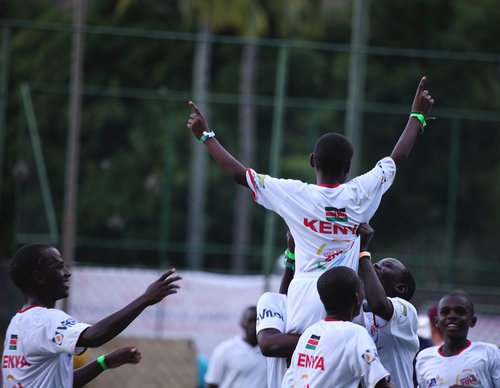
134,110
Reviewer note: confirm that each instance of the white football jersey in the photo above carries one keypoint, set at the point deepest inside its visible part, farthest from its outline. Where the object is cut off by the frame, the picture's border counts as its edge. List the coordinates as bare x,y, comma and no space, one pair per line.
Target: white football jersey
235,363
477,365
271,310
332,354
39,348
323,219
396,340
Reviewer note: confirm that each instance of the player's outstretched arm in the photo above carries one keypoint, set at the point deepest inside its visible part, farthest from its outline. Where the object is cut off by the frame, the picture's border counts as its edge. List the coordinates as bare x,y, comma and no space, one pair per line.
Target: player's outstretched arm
289,264
422,103
274,343
384,384
115,359
231,166
109,327
374,291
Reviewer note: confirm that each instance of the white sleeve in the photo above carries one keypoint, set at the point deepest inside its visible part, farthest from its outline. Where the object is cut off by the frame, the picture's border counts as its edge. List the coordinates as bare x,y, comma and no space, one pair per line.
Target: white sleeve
494,357
418,370
367,358
59,334
372,185
216,366
270,192
271,308
404,320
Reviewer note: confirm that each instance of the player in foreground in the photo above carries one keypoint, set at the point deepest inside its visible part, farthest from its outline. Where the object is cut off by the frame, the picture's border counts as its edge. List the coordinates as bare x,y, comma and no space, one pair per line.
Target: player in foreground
387,313
41,340
459,362
336,352
322,217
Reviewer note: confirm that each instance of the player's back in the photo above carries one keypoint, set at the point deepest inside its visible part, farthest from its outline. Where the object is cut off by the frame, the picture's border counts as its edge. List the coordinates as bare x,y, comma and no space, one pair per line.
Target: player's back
334,353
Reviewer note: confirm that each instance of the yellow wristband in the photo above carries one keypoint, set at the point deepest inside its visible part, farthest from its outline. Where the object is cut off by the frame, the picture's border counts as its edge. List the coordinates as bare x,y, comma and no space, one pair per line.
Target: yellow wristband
365,254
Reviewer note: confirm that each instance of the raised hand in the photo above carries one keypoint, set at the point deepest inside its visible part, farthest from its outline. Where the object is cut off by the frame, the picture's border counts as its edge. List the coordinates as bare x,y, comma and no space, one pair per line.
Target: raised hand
123,355
366,232
423,101
196,122
162,287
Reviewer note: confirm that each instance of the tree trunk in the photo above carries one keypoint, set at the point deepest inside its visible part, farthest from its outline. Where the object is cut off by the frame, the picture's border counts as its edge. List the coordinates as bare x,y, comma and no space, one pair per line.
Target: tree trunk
246,149
199,161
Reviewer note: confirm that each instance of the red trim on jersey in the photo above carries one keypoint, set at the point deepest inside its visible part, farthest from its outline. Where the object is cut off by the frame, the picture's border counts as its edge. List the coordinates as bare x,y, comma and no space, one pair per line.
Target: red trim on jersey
30,307
440,349
254,196
332,319
330,186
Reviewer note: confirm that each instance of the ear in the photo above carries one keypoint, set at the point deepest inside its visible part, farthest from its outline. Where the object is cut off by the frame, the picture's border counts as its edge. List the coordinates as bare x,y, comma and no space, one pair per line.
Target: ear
38,277
473,321
311,160
347,167
436,321
401,288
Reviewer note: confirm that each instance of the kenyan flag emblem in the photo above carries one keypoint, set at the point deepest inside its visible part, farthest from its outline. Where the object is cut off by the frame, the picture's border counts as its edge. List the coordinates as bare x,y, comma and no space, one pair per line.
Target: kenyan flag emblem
313,342
334,214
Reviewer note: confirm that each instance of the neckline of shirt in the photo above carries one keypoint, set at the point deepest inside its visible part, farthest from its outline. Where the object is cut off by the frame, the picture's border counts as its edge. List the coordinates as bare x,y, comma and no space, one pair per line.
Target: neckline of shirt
440,349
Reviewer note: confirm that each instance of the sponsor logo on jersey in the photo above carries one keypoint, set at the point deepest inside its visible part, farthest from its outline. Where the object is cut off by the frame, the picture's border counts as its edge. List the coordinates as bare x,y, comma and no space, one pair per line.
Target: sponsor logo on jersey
12,362
58,338
311,361
67,323
312,342
266,313
327,227
468,378
435,381
13,342
334,214
369,355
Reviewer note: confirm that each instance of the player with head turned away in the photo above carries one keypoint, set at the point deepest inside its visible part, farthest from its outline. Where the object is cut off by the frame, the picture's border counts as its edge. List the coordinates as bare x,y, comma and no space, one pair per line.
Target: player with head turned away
322,217
387,313
458,362
335,352
41,340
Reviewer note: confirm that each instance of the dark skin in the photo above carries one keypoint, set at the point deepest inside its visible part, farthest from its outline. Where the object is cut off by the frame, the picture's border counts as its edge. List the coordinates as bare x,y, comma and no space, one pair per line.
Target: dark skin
348,315
381,280
455,317
51,284
422,103
247,323
272,342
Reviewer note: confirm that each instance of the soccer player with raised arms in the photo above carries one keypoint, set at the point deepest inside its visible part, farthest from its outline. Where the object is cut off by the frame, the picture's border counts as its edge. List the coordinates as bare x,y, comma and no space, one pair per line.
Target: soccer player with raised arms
322,217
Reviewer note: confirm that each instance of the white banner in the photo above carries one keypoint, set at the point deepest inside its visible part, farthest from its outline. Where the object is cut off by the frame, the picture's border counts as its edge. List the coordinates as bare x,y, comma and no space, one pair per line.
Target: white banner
207,309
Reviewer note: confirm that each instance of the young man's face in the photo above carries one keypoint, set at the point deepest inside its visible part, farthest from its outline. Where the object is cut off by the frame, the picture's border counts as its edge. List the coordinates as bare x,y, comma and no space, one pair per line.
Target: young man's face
248,323
455,316
389,272
56,275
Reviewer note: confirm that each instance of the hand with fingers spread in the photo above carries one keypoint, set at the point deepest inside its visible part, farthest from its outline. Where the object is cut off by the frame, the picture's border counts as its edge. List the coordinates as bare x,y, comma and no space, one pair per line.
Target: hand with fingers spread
162,287
196,122
423,101
123,355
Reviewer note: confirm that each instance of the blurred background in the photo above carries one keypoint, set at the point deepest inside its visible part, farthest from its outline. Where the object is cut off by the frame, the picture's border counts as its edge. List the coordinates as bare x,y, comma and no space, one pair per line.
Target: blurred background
96,159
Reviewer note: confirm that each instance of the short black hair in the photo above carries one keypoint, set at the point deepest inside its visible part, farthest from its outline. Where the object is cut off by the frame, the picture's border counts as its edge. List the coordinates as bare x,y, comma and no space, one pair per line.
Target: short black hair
332,152
408,279
337,287
461,294
27,259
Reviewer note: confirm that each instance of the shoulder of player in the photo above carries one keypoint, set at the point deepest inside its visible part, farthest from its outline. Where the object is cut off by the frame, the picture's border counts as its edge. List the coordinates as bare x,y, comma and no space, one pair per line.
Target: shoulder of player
426,353
405,307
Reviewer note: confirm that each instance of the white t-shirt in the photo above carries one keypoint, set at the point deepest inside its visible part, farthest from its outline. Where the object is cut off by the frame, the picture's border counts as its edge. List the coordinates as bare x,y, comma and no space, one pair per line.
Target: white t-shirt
39,348
334,354
478,365
396,339
271,313
323,219
234,363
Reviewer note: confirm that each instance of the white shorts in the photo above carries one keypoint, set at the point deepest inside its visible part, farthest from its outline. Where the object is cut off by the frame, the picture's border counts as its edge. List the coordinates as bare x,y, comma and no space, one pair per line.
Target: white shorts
304,306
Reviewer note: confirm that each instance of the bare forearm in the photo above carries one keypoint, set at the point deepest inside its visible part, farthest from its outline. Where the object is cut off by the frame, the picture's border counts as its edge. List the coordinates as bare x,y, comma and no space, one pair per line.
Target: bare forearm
109,327
406,141
85,374
278,345
231,166
375,293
